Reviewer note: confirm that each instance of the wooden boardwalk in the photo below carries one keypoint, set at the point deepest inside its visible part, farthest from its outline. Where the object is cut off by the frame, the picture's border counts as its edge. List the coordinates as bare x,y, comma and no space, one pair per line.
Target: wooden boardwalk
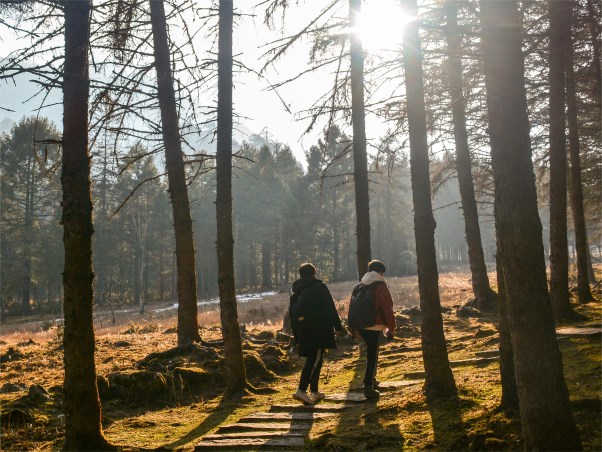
286,426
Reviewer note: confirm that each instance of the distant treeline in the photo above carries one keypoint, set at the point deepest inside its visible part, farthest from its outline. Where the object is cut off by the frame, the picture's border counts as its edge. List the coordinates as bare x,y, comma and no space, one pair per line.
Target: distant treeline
284,214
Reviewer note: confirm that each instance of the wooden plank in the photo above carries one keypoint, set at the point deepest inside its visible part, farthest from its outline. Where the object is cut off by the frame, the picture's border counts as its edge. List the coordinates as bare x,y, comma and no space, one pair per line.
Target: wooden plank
354,397
251,443
259,434
319,408
270,426
575,331
485,353
473,361
420,374
279,417
392,385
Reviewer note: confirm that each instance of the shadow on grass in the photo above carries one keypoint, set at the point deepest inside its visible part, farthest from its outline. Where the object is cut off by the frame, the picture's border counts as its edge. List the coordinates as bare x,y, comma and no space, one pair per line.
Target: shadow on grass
219,414
446,417
361,427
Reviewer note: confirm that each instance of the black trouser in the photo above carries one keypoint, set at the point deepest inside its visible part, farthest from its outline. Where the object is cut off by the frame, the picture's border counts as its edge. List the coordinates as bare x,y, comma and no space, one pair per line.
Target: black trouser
372,339
311,371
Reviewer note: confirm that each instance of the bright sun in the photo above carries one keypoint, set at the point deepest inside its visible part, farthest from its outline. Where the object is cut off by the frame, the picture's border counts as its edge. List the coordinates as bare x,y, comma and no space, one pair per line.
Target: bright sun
381,24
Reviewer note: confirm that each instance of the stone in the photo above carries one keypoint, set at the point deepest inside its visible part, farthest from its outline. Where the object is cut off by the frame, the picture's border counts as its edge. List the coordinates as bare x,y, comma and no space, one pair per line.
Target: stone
38,393
193,375
140,384
12,387
265,335
12,354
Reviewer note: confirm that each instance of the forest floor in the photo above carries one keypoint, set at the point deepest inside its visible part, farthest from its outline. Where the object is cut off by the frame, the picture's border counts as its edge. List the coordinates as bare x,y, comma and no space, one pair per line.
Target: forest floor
182,401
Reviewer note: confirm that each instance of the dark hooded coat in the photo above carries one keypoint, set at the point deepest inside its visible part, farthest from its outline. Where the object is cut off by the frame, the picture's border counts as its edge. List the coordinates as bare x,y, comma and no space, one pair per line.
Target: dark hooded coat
321,334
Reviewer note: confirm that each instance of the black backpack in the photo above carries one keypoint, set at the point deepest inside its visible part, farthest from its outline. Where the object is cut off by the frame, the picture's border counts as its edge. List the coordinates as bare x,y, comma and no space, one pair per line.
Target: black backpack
302,311
362,312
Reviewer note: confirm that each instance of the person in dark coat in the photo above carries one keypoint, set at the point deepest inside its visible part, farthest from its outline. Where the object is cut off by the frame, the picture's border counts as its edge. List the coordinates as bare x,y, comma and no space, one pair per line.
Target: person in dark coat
317,336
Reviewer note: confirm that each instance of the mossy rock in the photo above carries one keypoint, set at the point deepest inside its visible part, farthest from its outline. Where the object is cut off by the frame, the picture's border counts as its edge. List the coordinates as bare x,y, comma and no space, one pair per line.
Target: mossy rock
255,367
12,354
194,375
207,356
138,384
275,358
265,335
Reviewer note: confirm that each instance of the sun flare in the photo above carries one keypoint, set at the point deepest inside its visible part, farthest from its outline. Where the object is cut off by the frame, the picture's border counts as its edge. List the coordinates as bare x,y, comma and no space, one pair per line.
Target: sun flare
381,24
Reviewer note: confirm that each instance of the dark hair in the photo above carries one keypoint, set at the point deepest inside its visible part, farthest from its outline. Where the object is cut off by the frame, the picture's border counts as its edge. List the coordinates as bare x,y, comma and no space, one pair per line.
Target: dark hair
376,266
307,270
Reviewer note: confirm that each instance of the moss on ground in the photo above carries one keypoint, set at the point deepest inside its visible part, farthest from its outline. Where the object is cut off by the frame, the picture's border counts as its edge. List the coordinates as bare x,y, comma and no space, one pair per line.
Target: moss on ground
402,419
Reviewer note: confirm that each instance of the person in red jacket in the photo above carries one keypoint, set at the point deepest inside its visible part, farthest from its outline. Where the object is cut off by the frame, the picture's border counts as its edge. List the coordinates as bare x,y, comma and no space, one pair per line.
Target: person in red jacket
384,323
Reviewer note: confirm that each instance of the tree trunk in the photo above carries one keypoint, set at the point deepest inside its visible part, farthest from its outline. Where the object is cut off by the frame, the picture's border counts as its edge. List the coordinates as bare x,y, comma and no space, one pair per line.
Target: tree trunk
360,159
576,190
484,296
266,277
83,430
594,26
336,238
101,233
27,238
188,330
559,254
509,399
545,411
439,380
235,366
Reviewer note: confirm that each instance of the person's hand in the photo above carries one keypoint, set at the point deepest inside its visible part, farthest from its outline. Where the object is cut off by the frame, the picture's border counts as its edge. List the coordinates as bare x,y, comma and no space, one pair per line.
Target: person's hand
390,336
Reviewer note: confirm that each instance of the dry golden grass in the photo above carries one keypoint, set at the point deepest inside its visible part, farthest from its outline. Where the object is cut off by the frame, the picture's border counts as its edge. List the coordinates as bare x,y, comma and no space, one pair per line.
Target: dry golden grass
401,419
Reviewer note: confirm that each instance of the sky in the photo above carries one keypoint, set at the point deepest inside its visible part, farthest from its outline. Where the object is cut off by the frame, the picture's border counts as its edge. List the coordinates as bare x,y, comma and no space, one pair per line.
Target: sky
258,106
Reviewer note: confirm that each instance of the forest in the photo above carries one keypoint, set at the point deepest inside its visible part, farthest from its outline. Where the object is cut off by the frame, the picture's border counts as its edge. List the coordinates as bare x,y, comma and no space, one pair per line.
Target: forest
167,167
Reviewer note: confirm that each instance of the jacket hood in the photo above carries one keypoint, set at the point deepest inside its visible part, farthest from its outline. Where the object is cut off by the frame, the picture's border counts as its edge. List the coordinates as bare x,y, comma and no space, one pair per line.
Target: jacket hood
303,283
372,277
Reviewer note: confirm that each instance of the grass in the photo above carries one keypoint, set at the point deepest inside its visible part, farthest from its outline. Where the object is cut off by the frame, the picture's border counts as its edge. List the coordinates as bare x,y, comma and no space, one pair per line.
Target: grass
402,419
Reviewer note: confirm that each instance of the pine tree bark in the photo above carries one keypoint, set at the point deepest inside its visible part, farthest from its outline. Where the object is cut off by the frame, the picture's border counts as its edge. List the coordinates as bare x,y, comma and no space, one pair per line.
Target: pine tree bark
584,294
360,158
509,399
235,366
545,411
595,26
559,255
484,296
188,330
83,430
27,238
439,380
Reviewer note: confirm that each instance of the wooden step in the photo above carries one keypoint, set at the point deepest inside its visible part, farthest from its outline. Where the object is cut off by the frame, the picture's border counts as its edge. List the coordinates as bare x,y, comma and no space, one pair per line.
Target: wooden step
353,397
418,375
473,361
281,417
318,408
267,426
259,434
280,443
392,385
486,353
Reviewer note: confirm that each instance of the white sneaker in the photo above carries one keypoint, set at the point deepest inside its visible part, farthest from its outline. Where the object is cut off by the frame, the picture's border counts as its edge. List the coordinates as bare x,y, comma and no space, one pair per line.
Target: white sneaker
317,396
303,397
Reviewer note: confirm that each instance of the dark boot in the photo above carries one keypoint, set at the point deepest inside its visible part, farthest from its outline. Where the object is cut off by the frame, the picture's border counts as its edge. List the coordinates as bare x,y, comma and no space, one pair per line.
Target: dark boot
371,393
